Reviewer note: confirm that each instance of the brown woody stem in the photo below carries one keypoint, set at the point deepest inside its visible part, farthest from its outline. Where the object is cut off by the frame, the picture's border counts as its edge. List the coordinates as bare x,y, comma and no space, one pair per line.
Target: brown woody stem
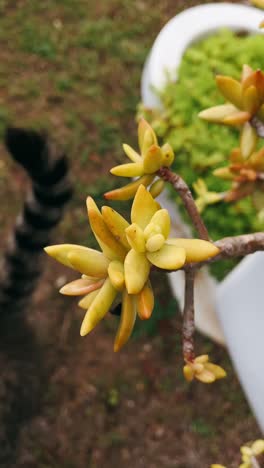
188,326
183,190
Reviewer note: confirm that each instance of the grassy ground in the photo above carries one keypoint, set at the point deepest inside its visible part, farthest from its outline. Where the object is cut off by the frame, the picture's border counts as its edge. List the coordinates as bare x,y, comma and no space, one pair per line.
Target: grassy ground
73,68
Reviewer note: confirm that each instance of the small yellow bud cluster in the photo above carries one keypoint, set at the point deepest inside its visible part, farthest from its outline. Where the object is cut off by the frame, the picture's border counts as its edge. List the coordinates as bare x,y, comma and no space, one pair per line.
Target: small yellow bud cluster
251,452
201,369
205,197
144,165
245,100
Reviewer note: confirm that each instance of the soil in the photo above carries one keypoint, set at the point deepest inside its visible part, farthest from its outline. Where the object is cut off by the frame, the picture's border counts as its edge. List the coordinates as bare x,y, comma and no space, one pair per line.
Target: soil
71,402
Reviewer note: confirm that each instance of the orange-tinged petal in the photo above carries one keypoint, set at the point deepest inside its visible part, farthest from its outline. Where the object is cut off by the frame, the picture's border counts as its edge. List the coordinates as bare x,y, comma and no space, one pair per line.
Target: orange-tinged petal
217,114
127,321
231,89
80,287
128,191
237,118
169,257
145,302
251,102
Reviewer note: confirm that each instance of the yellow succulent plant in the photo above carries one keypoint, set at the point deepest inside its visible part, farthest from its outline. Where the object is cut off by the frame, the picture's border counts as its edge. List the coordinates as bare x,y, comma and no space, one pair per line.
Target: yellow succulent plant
250,452
205,197
201,369
120,272
245,101
145,164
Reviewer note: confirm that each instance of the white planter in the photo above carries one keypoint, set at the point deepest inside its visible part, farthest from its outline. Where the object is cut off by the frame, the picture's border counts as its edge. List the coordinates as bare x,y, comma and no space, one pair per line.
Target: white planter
231,312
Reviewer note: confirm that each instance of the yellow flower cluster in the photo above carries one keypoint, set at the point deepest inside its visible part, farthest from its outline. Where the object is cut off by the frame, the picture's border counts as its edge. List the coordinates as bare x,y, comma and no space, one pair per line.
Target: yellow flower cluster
201,369
120,272
245,100
249,455
145,164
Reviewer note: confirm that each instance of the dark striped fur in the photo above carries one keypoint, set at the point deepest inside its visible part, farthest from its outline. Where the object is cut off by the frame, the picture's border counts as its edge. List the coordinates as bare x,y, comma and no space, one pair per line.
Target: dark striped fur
43,208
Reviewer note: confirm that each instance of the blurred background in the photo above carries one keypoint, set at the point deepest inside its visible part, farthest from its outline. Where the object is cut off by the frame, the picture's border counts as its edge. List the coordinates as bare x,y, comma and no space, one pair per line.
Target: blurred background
73,68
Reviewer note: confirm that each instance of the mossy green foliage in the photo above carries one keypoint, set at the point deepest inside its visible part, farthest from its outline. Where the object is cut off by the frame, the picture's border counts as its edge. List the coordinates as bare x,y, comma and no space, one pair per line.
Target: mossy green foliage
199,146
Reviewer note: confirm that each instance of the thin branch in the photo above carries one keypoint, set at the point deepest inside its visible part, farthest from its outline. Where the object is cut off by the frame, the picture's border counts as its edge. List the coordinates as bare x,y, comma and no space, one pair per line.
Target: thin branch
188,326
183,190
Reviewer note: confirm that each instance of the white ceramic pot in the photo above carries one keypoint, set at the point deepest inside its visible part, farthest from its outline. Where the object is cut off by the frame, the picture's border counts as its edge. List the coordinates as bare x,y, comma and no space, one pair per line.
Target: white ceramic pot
231,312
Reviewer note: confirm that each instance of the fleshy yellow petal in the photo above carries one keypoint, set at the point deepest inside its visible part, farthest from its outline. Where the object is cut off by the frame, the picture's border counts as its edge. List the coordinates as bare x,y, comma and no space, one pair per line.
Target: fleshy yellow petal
202,359
146,136
223,173
110,246
128,191
188,373
218,113
248,140
169,257
132,154
80,287
152,160
116,224
145,302
137,269
205,376
129,170
135,237
156,188
116,274
143,208
230,89
99,307
258,447
218,371
237,118
89,262
127,321
167,155
162,219
251,101
196,250
87,300
155,243
60,252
